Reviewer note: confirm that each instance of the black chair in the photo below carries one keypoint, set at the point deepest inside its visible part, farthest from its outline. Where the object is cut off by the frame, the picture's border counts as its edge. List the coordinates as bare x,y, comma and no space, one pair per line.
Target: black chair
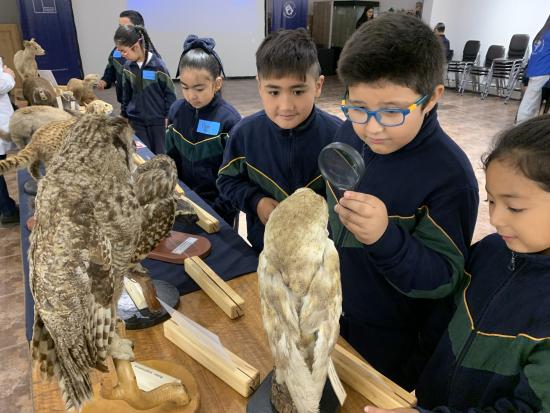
470,56
506,72
475,73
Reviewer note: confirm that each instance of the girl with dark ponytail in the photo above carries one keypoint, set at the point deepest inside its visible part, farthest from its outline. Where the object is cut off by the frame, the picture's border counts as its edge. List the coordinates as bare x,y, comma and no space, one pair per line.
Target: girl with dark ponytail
199,124
147,89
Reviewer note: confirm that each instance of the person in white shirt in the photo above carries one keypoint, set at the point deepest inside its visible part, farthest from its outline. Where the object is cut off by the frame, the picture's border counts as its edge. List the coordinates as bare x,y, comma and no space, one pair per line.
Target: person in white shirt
8,209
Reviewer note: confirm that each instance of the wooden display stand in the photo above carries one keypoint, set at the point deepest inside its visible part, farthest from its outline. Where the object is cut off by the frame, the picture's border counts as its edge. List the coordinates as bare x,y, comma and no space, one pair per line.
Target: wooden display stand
127,398
187,249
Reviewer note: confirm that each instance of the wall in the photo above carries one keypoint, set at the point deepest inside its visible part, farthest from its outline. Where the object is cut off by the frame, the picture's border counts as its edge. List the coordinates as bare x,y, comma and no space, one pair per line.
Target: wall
490,21
96,22
236,25
9,13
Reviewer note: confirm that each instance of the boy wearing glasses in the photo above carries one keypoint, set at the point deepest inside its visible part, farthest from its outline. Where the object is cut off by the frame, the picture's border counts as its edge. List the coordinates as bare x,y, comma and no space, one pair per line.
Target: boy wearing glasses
403,234
273,152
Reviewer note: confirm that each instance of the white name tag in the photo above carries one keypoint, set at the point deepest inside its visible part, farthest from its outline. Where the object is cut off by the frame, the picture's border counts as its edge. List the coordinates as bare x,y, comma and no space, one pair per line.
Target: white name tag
184,246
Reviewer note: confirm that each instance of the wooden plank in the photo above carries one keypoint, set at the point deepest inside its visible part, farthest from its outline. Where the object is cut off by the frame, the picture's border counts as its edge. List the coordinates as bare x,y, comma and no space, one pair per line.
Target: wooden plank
216,288
206,221
243,378
367,381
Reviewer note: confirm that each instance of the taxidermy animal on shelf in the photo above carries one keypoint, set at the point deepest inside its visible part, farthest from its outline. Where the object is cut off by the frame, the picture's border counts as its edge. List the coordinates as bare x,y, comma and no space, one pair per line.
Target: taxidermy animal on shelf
39,91
25,121
24,60
94,221
301,298
83,90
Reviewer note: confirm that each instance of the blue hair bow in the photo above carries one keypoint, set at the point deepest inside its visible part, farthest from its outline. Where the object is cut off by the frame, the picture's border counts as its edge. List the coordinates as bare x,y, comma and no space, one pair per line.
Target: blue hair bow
205,43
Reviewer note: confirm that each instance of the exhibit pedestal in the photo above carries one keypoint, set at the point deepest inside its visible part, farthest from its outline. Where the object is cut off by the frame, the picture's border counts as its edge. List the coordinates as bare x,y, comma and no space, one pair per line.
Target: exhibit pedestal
260,401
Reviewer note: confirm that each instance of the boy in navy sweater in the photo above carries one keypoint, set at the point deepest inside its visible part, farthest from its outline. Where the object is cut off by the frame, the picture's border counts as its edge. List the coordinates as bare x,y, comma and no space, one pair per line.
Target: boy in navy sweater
115,66
403,234
272,153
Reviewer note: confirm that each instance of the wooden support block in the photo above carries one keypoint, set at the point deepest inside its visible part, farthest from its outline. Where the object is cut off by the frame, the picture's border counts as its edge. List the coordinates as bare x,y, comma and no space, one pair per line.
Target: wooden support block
366,380
206,221
242,377
216,288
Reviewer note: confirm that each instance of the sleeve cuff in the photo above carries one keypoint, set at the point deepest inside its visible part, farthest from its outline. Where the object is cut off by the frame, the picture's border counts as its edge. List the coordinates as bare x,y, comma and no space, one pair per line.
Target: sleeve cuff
254,202
389,244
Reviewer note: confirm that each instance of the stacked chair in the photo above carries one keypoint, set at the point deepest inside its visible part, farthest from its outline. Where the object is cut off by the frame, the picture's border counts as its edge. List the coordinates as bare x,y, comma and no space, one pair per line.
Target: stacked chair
470,57
507,72
478,75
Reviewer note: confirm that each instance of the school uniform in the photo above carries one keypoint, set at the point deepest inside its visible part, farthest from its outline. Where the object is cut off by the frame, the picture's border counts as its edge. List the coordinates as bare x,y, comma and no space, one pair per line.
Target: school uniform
263,160
396,292
495,353
114,71
196,139
148,93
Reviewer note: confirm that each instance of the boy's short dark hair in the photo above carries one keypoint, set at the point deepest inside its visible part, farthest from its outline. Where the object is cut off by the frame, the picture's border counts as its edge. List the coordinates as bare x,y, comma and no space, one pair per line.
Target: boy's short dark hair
440,27
135,17
287,53
396,48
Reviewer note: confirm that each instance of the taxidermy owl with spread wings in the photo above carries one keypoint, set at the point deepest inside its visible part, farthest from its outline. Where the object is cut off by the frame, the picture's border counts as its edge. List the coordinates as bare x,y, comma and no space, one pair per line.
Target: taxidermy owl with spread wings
301,296
94,221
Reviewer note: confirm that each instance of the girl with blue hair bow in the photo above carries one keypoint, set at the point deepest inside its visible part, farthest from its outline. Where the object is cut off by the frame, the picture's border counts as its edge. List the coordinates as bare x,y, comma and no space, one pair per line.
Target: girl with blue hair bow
199,124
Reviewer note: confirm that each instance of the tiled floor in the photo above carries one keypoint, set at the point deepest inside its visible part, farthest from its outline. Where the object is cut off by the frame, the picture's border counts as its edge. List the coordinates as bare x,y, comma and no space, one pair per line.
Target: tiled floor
467,119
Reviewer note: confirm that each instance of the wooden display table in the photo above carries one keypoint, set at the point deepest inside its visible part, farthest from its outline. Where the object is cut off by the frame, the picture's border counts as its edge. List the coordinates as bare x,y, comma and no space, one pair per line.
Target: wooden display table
243,336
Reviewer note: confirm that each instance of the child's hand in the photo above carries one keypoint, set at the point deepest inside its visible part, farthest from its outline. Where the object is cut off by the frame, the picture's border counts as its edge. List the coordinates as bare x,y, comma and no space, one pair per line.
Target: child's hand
371,409
101,84
364,215
265,208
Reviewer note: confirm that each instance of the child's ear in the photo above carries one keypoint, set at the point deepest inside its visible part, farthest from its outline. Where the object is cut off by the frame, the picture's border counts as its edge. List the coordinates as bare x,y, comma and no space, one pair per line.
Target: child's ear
258,80
319,85
438,93
218,83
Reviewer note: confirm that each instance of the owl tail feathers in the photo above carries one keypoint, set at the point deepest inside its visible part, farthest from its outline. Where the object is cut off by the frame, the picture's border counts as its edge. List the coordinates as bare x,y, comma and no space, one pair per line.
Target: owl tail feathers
74,379
305,394
69,365
43,349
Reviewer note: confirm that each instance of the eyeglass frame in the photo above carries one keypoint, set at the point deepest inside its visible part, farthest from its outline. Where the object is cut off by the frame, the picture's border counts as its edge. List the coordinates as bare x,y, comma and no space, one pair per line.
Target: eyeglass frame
370,113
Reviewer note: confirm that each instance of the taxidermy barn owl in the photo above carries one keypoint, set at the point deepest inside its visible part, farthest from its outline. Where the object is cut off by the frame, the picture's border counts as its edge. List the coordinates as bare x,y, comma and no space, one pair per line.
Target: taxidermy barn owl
95,221
301,297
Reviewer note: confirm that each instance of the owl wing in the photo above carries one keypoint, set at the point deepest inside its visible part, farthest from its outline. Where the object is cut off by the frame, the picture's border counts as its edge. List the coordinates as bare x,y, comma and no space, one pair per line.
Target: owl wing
74,314
320,315
282,325
154,183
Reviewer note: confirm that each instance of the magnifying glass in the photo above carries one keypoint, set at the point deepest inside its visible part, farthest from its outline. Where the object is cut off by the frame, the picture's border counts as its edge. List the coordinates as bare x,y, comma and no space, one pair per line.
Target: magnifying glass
342,166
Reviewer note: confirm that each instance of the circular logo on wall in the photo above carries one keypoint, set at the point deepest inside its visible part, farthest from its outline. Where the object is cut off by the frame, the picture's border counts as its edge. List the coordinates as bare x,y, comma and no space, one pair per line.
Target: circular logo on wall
289,9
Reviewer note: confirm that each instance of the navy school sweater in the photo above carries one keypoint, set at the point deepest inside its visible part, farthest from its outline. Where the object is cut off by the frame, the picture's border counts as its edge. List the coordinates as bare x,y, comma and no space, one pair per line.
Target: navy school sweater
148,94
195,139
263,160
431,194
495,354
114,71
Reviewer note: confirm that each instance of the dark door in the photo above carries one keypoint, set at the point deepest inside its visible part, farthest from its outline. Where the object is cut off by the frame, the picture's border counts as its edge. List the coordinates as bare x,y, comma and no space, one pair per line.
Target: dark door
51,24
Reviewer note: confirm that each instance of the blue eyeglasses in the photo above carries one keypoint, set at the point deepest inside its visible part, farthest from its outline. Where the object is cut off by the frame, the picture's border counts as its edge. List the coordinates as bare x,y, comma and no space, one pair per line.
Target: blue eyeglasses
385,117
